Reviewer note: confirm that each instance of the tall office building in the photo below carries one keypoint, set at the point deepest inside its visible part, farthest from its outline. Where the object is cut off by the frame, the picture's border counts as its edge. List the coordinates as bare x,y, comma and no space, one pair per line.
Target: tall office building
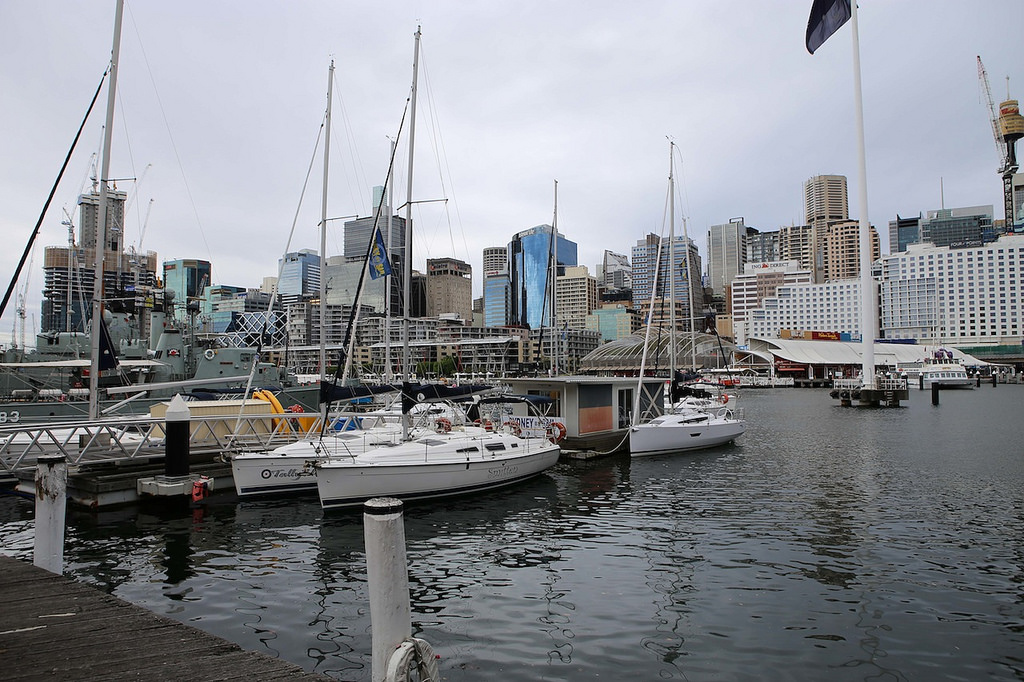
967,226
300,275
359,230
129,280
187,278
841,250
616,272
763,247
825,203
575,297
497,299
796,242
903,232
530,254
495,260
449,288
727,253
685,270
825,199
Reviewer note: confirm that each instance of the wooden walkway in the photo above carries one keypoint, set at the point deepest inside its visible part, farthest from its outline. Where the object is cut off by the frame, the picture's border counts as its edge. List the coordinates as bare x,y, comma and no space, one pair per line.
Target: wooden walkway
52,627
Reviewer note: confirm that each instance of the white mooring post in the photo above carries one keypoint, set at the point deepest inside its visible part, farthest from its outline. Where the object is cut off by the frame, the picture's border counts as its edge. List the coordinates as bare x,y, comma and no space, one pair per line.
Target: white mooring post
387,578
51,505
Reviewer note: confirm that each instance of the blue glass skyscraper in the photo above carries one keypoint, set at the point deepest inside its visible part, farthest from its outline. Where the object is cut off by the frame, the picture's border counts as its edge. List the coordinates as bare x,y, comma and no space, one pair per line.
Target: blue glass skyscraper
530,254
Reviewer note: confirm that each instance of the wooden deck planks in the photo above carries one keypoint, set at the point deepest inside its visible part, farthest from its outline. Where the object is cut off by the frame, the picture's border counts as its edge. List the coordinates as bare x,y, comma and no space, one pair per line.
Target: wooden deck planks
53,627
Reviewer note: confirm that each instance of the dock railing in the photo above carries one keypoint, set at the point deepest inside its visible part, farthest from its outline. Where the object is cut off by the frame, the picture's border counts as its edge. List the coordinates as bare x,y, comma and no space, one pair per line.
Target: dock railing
142,438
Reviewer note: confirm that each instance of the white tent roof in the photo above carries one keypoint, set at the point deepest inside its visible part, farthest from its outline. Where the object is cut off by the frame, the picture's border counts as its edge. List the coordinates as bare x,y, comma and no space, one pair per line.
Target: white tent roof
849,353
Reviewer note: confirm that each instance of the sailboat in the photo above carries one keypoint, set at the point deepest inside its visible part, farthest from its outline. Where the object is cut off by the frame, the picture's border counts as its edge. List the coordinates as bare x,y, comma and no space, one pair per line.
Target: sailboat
682,427
451,461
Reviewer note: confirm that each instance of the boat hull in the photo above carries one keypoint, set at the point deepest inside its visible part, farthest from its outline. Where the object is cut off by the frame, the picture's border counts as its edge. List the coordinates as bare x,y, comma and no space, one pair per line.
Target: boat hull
669,436
413,472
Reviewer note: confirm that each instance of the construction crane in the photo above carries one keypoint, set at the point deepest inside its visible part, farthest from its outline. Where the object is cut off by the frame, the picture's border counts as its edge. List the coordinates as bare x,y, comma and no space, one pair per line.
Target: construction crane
1007,128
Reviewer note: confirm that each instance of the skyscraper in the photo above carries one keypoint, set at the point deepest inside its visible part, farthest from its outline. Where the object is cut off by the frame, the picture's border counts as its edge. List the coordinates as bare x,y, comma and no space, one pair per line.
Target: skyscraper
685,270
727,253
530,254
449,288
187,278
495,260
300,274
825,203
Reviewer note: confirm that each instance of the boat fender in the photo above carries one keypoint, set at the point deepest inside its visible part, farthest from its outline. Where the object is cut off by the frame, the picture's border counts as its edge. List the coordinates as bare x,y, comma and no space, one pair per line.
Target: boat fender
200,489
412,652
513,428
556,432
486,423
443,425
210,354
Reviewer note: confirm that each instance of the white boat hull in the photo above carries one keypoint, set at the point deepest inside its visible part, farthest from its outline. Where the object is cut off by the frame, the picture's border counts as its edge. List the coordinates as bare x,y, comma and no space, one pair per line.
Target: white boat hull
447,465
671,433
289,469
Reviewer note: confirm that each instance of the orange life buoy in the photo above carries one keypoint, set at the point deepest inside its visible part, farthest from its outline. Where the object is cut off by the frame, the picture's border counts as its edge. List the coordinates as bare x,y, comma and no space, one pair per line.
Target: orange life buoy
513,428
555,432
443,425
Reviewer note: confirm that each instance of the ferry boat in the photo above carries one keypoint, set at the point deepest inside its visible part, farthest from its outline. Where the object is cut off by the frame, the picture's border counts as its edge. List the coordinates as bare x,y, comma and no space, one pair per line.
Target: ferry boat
944,371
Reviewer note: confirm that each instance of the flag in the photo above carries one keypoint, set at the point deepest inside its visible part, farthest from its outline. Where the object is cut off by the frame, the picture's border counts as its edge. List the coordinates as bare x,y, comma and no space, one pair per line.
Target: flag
380,266
826,18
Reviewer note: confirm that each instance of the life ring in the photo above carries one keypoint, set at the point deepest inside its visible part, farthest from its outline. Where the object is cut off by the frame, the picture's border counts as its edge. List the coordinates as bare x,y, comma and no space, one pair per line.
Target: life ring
725,398
303,423
513,428
443,425
209,354
555,432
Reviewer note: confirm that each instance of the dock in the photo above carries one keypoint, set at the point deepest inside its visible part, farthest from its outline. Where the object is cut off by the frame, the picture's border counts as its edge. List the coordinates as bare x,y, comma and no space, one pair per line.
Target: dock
55,628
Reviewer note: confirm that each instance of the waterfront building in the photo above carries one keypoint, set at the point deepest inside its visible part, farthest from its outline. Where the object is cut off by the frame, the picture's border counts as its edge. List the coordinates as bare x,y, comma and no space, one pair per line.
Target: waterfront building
449,288
966,226
903,232
830,307
758,282
944,295
614,321
575,297
686,270
841,250
727,253
530,253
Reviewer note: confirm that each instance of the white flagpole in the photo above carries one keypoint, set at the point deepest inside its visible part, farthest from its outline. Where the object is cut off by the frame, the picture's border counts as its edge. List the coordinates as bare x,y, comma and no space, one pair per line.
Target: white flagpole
867,301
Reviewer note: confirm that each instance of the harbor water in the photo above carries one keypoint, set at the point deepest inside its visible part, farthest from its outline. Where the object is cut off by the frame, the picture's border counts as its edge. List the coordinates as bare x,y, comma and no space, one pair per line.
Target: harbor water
827,543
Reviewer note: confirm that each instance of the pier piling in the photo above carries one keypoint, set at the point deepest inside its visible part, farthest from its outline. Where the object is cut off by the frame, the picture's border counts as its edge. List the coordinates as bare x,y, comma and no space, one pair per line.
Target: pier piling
176,443
935,393
51,506
387,579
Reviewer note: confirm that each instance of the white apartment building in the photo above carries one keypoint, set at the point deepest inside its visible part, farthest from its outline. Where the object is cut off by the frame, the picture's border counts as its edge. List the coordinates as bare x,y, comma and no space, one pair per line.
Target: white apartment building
758,282
948,295
829,307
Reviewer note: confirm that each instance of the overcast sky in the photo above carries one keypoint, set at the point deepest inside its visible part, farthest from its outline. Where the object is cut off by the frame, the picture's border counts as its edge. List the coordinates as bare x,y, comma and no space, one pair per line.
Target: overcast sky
220,104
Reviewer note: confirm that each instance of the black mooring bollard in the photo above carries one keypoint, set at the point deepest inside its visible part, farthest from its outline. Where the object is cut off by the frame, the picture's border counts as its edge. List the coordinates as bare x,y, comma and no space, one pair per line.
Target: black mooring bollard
935,393
176,439
920,381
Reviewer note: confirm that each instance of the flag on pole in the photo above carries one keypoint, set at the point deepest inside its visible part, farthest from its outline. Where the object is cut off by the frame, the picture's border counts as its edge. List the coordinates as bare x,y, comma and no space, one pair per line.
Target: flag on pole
380,266
827,16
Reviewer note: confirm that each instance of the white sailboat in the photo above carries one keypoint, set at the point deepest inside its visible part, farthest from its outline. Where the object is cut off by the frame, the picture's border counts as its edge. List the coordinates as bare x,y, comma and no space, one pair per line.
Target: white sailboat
450,462
682,427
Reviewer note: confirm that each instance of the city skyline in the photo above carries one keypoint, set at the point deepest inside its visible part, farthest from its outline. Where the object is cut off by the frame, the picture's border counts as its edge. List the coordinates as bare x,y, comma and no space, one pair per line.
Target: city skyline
587,100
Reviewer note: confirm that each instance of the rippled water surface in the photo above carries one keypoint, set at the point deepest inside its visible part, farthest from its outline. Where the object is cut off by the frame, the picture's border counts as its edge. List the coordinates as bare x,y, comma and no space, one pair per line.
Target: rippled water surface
828,543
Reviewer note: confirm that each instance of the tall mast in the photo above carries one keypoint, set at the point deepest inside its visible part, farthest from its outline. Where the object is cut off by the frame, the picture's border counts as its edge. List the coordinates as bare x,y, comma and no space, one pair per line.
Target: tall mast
323,229
101,228
390,192
554,286
867,294
671,265
407,303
